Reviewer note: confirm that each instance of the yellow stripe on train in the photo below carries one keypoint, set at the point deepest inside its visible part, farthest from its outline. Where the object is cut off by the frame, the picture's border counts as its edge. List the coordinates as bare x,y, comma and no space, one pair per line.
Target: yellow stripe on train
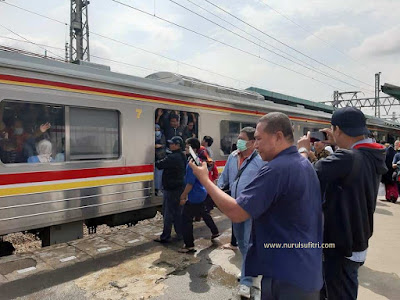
33,189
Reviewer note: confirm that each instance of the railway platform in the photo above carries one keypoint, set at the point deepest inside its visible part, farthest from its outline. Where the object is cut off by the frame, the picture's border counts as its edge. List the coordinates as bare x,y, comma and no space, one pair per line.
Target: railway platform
128,264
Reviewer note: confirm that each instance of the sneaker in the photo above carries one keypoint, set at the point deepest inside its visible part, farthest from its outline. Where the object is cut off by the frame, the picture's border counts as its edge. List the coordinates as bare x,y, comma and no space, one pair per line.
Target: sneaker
244,291
238,276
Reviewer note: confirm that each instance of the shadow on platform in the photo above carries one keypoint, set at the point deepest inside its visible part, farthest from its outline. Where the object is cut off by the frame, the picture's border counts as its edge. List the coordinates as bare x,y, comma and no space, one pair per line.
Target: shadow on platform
385,284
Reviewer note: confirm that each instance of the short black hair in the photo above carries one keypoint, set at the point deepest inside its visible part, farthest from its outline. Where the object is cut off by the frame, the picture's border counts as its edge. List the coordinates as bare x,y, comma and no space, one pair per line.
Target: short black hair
249,131
208,139
277,121
174,117
194,143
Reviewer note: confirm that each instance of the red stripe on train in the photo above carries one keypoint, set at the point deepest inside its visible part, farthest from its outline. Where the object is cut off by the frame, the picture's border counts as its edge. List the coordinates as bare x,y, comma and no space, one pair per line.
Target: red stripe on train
71,174
220,163
113,92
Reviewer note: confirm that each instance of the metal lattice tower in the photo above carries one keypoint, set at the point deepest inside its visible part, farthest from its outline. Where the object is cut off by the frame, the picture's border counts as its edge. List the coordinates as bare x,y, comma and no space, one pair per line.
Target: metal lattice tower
79,31
343,99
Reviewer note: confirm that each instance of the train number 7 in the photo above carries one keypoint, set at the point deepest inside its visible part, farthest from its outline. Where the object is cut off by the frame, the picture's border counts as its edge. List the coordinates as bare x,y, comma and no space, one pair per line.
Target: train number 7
138,112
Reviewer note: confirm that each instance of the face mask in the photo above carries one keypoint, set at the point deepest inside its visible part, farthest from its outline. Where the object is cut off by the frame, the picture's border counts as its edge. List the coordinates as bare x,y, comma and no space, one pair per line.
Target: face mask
158,134
241,145
18,131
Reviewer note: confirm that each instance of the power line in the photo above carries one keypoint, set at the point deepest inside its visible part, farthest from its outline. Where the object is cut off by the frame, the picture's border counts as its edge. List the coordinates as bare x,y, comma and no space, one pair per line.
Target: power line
141,49
58,21
306,66
30,41
284,44
223,43
168,58
310,32
23,41
10,49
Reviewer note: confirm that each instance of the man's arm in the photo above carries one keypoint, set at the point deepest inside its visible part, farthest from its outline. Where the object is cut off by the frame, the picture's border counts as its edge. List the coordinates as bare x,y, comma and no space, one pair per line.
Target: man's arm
165,163
223,179
185,194
225,203
336,166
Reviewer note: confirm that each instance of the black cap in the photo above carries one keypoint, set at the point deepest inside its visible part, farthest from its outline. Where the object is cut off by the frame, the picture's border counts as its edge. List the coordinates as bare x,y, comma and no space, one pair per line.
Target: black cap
350,120
177,140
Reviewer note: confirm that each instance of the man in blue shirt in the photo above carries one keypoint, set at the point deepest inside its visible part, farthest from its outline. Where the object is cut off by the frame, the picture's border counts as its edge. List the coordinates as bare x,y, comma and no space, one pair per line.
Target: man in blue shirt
284,202
245,158
193,198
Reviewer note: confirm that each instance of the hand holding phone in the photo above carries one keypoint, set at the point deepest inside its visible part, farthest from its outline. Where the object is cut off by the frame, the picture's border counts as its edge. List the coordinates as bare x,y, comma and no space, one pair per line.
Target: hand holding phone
317,136
194,157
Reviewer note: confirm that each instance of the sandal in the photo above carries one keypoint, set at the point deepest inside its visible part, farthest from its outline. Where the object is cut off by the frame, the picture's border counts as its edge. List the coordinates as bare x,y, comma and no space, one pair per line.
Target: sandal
229,246
187,250
159,240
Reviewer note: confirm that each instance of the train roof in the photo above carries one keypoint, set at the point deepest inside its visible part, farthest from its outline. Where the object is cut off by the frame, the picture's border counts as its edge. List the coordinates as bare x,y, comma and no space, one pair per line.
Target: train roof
176,84
192,82
192,88
292,101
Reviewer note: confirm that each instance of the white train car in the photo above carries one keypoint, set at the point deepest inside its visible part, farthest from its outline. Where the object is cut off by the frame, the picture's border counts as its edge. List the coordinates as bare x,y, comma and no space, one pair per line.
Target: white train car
102,138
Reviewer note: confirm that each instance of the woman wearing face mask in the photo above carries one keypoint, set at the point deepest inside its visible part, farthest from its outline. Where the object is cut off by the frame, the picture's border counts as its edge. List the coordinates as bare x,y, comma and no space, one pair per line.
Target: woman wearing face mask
44,150
160,154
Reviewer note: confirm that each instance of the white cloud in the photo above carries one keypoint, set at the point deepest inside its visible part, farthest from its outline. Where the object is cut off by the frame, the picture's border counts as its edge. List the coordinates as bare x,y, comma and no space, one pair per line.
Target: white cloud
334,34
386,43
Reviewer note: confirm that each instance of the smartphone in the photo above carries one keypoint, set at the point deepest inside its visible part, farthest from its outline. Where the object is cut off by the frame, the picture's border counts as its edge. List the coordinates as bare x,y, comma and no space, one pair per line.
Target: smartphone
317,136
194,157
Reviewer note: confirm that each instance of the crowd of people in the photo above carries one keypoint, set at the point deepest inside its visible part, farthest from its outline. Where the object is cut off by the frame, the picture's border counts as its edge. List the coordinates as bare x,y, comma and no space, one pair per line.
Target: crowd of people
24,135
322,192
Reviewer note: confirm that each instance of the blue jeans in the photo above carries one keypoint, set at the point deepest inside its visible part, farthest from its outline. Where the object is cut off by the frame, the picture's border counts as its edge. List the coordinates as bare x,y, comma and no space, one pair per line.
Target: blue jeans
172,213
242,234
158,178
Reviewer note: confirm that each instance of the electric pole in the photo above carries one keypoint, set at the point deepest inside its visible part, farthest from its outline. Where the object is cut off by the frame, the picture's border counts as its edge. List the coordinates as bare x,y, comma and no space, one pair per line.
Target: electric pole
79,31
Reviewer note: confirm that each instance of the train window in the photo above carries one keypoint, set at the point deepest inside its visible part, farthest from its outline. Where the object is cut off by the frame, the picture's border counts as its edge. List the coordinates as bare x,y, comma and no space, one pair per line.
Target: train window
175,122
94,134
33,133
229,132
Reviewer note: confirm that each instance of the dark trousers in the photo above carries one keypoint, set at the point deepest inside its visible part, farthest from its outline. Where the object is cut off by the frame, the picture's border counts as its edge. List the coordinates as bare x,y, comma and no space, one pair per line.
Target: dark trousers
341,277
233,238
272,289
191,210
172,213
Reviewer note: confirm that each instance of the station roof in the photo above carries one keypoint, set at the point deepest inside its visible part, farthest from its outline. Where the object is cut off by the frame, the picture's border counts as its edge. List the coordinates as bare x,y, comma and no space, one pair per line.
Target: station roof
292,101
391,90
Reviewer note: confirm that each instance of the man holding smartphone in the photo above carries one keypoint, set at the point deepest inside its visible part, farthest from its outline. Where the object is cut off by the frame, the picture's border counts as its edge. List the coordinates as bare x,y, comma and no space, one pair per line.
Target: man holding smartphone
284,202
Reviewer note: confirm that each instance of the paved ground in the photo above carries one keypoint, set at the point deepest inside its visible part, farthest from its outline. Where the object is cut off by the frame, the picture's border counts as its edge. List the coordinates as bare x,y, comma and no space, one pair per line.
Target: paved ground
128,265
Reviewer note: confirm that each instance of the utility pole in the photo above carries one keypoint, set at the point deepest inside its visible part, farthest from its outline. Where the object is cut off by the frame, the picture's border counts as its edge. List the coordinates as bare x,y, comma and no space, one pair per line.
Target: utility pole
377,100
79,31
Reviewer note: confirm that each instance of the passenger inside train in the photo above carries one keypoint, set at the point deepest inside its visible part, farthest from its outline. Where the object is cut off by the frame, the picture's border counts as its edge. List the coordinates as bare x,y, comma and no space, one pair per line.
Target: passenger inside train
94,133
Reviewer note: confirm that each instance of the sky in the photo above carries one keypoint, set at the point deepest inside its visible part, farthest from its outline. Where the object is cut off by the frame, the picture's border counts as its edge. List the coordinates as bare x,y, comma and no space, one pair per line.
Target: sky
302,48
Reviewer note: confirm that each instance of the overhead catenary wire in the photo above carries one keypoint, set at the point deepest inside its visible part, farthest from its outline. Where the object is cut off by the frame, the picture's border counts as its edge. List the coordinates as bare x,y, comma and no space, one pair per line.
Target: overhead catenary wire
223,43
168,58
303,64
141,49
284,44
313,34
30,41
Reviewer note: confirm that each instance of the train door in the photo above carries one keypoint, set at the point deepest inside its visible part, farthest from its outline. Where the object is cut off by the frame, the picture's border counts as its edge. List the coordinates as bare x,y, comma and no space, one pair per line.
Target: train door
170,123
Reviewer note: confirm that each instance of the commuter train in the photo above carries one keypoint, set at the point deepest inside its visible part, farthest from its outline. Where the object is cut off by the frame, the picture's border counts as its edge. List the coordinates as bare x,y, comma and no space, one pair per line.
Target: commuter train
101,128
